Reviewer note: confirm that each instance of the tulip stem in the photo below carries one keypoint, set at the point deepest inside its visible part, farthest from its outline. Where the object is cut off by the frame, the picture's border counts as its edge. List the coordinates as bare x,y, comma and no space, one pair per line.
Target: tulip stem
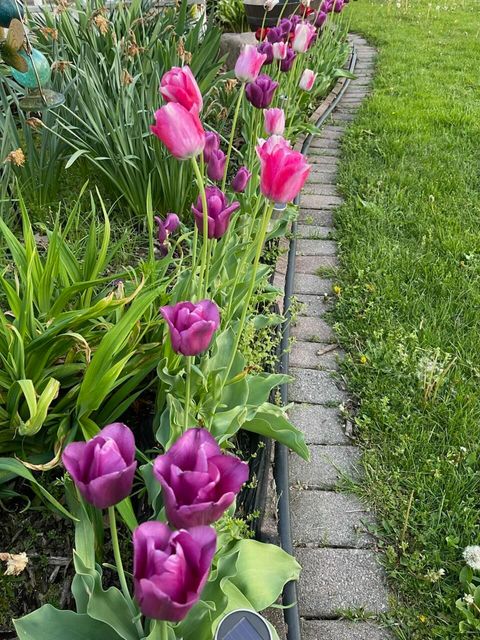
121,573
159,630
203,197
188,377
232,133
246,303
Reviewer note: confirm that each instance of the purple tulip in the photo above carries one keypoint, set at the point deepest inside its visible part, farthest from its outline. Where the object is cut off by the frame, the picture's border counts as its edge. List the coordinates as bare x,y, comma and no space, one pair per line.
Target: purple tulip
218,212
240,181
320,19
216,165
165,228
287,63
191,325
275,34
103,468
267,49
286,26
294,19
260,93
199,483
170,568
212,143
338,6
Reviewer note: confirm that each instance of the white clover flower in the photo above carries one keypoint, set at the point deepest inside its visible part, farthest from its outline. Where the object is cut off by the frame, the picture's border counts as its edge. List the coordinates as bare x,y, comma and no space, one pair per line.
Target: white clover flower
468,598
471,556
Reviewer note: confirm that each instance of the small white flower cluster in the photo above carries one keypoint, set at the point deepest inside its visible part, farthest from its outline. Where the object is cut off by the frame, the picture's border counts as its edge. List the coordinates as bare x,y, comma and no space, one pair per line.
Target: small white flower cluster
471,555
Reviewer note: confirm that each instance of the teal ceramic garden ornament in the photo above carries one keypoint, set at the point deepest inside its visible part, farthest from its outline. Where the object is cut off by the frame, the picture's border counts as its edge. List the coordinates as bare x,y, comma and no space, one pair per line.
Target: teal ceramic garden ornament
37,73
10,9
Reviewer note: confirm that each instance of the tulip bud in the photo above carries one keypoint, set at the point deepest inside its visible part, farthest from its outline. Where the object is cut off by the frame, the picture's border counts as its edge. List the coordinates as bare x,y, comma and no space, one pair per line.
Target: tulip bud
165,228
260,93
307,80
280,50
266,49
249,63
304,32
274,121
320,19
179,85
268,5
170,568
103,467
180,130
216,165
240,181
191,325
212,143
283,171
199,483
287,63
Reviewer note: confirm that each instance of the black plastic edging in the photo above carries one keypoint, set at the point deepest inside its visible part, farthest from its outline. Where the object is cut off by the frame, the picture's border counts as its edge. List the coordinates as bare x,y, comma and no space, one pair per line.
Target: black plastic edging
281,467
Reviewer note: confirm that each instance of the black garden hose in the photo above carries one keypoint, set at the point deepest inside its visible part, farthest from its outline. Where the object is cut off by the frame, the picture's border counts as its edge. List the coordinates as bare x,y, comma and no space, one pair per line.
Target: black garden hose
281,470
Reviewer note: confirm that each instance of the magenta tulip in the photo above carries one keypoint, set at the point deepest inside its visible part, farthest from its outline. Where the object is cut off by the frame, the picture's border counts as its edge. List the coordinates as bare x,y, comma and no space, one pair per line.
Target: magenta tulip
216,165
304,33
180,130
260,93
170,568
179,85
240,181
275,34
165,228
283,171
199,482
280,50
218,212
274,121
249,63
191,325
307,80
103,467
212,143
266,48
287,63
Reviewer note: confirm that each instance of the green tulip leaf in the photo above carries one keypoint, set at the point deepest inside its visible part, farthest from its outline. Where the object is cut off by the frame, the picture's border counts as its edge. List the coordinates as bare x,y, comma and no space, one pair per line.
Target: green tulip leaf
48,623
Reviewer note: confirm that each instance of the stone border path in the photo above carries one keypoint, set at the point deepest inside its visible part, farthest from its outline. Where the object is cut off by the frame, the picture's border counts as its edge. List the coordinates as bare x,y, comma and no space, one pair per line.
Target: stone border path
340,565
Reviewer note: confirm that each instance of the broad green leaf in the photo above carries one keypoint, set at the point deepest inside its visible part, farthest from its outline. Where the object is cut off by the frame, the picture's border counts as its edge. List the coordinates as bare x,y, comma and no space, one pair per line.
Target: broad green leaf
271,421
48,623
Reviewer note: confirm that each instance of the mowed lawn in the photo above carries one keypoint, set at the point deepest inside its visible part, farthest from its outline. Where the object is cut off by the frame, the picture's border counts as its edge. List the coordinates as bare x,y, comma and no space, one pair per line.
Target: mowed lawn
408,309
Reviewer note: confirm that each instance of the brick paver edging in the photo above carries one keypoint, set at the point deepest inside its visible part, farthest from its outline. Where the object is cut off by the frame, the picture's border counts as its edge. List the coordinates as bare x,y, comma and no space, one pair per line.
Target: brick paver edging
340,564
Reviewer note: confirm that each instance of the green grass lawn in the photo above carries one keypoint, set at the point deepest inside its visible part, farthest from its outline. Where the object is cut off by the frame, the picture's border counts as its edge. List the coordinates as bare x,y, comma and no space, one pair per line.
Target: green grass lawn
409,308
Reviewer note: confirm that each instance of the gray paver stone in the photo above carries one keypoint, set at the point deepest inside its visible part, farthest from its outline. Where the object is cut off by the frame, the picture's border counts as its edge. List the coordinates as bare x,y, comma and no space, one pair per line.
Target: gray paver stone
312,305
311,264
342,630
313,231
315,355
316,248
329,519
320,218
315,387
320,425
336,579
312,329
320,202
328,464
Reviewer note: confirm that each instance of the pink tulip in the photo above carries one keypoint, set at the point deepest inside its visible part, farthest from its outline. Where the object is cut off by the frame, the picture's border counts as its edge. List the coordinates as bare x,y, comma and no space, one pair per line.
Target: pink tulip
283,171
249,63
304,34
274,121
179,85
280,50
180,130
307,80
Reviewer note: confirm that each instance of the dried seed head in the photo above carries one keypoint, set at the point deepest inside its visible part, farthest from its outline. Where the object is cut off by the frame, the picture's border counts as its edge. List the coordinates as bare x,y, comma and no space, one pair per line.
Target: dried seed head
49,33
127,78
16,157
230,84
60,6
34,123
223,113
102,24
61,65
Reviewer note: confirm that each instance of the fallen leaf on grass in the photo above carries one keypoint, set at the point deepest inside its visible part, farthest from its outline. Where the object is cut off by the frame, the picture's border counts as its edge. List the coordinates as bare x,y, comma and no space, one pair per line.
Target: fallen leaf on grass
16,563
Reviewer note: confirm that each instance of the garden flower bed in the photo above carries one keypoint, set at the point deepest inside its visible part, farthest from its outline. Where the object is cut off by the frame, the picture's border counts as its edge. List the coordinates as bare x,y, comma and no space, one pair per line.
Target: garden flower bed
139,231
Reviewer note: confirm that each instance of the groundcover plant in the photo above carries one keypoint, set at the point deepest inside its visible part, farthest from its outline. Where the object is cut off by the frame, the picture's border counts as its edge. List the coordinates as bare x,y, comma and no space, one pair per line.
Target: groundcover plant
84,339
